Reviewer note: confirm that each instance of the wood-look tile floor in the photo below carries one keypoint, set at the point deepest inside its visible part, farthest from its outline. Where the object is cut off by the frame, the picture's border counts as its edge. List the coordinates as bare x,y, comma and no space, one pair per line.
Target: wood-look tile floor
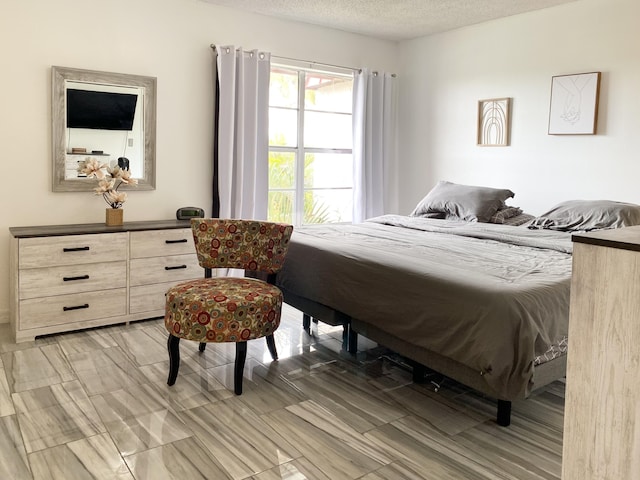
95,404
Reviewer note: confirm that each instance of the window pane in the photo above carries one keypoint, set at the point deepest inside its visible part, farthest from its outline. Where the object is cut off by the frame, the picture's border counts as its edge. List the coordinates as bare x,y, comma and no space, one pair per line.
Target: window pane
305,186
327,130
283,88
328,93
325,206
281,206
283,127
282,170
328,170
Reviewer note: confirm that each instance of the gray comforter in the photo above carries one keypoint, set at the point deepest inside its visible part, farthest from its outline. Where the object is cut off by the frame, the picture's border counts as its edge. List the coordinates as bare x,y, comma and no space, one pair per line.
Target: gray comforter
491,297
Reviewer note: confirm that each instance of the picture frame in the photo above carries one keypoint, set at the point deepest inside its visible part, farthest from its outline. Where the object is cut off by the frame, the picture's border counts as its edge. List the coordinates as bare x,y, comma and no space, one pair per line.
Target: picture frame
573,108
494,122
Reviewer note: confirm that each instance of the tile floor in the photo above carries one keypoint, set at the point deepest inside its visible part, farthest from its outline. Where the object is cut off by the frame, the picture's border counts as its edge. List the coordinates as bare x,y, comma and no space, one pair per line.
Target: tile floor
95,405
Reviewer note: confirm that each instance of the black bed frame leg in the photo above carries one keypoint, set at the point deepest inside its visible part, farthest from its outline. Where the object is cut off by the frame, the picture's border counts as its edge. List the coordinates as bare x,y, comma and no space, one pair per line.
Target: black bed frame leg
352,341
418,372
504,413
309,324
349,338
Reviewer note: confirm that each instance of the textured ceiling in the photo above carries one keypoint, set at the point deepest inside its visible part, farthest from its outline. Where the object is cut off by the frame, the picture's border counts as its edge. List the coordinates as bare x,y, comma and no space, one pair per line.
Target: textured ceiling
390,19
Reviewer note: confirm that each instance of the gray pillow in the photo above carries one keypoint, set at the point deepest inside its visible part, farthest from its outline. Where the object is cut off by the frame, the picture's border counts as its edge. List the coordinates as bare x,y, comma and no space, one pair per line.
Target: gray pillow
588,215
465,202
518,220
504,213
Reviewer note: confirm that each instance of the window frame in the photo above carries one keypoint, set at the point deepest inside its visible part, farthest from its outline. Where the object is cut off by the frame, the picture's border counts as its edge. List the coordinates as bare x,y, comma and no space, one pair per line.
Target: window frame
299,151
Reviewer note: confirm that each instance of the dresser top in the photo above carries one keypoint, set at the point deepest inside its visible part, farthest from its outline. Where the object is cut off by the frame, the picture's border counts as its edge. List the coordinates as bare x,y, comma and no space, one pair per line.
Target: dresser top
627,238
86,228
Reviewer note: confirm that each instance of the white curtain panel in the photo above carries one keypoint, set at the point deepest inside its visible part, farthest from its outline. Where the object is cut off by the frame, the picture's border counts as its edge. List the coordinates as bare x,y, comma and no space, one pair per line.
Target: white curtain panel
243,133
374,133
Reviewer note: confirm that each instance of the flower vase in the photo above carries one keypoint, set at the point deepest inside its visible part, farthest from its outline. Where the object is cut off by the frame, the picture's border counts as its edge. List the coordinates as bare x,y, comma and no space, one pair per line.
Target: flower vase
114,217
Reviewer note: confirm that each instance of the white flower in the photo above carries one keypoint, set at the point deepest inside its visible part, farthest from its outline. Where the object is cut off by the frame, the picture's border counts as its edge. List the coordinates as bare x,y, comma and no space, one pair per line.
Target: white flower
115,198
105,186
108,183
126,177
92,168
123,175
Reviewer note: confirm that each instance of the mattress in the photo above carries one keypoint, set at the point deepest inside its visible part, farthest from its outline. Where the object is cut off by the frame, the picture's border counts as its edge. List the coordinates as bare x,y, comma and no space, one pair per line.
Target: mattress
491,297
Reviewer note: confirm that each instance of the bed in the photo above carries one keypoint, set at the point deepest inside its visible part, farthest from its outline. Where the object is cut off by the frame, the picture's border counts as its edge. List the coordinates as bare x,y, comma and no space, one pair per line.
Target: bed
485,304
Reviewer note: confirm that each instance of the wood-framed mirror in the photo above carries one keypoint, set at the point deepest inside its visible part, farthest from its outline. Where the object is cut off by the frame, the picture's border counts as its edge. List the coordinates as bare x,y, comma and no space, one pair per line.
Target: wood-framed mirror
106,116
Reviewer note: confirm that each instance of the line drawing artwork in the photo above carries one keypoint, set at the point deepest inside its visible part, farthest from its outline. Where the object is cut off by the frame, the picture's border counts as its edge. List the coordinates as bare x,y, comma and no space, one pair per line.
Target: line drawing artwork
573,87
493,122
574,104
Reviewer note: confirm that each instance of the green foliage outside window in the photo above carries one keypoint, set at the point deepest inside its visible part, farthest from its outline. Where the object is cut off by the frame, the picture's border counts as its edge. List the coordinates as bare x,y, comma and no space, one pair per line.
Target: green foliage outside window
282,176
283,113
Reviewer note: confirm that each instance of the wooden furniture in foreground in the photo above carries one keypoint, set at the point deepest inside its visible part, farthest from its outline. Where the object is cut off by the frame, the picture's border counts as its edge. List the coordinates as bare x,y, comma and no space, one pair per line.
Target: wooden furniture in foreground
602,410
69,277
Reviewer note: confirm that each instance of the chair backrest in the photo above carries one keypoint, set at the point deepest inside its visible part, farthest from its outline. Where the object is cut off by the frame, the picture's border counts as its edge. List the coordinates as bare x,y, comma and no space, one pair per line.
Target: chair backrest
251,245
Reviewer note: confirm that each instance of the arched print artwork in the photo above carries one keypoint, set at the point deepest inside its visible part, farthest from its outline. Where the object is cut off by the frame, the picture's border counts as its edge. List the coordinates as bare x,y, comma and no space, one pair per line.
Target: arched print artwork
574,104
493,122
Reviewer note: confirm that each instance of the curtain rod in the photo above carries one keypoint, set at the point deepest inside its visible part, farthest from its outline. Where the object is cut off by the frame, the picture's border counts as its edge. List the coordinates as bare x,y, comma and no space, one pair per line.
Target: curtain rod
309,62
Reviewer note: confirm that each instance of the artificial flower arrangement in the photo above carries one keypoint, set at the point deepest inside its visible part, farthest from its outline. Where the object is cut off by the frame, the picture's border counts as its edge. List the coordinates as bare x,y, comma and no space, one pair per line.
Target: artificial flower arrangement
109,180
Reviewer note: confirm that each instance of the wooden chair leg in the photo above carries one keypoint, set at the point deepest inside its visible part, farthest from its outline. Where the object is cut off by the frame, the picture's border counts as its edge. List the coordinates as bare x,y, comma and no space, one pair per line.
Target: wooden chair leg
202,346
238,370
173,346
271,345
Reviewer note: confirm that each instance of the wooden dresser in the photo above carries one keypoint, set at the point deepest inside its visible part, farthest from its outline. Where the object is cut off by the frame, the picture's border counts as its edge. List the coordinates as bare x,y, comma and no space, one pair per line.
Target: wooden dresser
68,277
602,407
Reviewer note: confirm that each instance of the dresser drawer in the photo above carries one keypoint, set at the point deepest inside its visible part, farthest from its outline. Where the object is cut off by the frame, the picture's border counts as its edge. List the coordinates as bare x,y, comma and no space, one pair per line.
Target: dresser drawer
46,282
149,298
67,309
157,243
71,250
175,268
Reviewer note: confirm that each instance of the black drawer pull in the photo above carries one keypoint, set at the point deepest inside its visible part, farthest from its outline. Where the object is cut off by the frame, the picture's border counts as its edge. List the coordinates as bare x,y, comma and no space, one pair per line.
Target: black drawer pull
182,240
71,279
75,249
177,267
76,307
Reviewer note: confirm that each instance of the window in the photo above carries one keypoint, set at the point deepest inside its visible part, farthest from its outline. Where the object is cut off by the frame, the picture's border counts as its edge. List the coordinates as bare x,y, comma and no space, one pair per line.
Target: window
310,141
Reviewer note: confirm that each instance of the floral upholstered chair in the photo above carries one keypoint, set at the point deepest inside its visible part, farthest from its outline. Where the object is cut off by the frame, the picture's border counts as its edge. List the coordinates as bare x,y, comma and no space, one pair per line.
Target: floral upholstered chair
229,309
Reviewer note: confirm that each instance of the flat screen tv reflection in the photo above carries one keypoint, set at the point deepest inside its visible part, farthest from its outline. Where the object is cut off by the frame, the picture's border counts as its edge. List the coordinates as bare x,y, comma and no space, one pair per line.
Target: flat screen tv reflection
100,110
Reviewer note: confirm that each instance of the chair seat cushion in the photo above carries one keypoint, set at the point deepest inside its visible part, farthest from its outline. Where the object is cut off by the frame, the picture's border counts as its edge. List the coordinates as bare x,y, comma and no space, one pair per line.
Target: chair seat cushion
223,309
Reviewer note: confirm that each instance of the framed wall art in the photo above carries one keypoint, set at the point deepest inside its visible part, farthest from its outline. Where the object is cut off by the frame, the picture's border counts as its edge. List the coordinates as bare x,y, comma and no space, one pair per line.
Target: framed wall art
574,104
493,122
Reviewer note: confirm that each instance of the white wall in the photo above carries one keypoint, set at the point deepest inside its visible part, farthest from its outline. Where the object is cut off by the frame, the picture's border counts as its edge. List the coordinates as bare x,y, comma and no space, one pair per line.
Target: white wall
167,39
443,77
